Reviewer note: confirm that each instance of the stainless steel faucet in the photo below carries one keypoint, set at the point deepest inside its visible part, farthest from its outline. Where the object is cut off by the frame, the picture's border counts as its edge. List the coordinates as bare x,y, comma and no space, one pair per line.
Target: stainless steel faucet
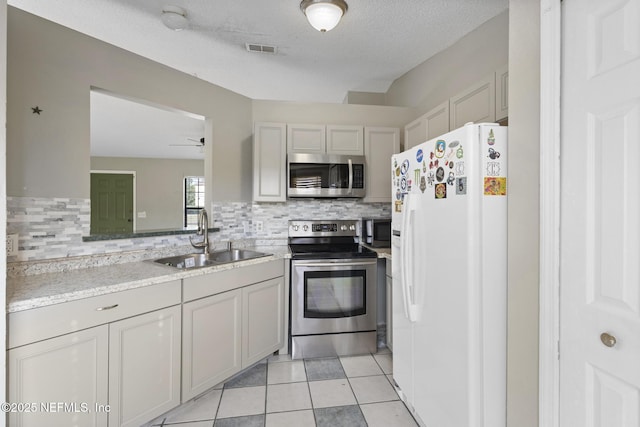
203,230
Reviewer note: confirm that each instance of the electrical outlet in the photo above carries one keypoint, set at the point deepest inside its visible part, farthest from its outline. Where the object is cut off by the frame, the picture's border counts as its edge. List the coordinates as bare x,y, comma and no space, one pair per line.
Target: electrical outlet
259,226
12,244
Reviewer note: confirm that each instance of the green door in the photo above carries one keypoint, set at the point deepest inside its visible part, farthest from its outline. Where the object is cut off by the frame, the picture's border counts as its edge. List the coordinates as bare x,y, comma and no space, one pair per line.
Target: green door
111,203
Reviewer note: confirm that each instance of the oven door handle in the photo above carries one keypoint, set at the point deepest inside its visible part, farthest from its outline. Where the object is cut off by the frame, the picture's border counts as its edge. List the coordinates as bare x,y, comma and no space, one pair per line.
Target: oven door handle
331,263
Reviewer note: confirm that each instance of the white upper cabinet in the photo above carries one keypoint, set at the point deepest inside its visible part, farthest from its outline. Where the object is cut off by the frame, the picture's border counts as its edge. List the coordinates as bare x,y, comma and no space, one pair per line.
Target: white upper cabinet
430,125
345,140
502,93
380,143
475,104
306,139
437,120
325,139
416,132
269,162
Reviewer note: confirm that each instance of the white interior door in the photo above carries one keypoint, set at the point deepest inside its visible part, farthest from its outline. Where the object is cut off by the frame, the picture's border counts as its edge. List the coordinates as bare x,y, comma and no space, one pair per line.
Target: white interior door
600,215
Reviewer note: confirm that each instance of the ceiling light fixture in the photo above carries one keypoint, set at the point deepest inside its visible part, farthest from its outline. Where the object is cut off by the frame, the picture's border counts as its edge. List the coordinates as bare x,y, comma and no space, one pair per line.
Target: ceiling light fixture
174,18
323,15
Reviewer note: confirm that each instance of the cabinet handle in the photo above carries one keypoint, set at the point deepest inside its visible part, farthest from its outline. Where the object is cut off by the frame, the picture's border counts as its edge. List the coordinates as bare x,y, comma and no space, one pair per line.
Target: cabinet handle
109,307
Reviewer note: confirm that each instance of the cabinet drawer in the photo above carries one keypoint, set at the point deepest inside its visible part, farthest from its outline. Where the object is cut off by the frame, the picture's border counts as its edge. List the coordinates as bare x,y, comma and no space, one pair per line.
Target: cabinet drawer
222,281
29,326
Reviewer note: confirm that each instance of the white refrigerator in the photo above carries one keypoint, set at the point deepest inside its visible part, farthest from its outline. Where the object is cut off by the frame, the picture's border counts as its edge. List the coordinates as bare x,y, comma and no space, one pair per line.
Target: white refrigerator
449,298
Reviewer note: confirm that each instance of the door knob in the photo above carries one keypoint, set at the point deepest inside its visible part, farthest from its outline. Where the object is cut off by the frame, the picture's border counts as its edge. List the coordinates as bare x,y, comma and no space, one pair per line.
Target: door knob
607,339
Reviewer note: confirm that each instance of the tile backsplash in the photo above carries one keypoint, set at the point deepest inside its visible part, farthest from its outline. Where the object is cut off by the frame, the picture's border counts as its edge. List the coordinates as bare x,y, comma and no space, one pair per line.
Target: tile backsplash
50,228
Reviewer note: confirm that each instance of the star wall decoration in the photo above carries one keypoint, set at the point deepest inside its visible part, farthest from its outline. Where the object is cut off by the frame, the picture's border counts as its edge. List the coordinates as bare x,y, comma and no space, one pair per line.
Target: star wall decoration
36,110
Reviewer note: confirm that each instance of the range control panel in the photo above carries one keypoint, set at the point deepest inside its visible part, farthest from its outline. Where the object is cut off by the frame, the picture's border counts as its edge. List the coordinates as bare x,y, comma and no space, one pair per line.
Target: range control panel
308,228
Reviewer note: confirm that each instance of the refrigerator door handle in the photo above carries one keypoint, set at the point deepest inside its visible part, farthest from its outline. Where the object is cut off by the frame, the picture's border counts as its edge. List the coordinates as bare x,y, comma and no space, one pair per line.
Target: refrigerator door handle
350,177
406,268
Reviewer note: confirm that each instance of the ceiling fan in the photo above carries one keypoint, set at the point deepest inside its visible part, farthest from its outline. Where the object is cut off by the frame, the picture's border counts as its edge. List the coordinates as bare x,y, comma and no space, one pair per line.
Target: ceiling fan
195,143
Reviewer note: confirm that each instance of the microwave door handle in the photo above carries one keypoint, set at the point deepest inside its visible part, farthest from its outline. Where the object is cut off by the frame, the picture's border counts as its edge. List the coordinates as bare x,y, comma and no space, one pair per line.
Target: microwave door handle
350,191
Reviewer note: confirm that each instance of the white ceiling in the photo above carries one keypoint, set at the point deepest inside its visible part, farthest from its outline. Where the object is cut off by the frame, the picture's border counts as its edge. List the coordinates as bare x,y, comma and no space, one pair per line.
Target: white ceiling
376,42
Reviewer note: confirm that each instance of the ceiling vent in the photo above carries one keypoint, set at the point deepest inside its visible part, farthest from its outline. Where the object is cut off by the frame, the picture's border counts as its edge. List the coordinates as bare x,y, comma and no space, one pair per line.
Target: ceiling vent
261,48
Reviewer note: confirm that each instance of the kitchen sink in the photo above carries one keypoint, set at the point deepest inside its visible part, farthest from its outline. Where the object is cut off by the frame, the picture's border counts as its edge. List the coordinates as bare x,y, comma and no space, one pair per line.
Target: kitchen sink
200,260
235,255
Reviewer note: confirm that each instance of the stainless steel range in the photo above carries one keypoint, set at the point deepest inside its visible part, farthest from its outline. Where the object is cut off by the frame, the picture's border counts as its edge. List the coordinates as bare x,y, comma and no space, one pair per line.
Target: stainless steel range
333,290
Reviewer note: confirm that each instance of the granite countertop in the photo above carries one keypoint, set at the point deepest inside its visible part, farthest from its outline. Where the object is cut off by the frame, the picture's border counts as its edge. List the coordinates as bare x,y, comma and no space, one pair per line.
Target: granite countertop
39,290
382,252
26,292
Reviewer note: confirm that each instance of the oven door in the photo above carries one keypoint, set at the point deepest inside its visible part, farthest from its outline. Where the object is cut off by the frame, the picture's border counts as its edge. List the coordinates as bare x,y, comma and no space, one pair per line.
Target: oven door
333,296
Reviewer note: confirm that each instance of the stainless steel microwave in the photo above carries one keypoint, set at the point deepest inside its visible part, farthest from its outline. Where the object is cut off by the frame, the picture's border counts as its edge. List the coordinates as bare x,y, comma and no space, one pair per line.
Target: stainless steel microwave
376,232
325,175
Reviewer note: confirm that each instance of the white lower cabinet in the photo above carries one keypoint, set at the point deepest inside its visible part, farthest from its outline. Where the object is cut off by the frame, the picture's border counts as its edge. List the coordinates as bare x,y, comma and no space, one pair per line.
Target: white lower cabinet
144,366
109,360
124,358
230,320
60,381
262,320
211,346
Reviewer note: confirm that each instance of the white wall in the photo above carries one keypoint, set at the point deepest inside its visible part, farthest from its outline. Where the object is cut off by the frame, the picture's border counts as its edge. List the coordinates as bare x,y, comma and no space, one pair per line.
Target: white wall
3,196
524,220
470,59
54,68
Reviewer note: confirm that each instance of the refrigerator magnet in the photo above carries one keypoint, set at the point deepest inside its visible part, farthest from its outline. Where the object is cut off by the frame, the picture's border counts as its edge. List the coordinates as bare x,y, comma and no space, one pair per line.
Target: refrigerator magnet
440,174
492,139
493,168
451,179
405,167
495,186
441,191
460,168
440,147
419,155
431,177
461,185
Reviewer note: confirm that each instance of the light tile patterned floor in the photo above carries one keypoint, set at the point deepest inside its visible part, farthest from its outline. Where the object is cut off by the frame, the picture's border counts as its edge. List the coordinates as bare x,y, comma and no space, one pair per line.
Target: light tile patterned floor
278,392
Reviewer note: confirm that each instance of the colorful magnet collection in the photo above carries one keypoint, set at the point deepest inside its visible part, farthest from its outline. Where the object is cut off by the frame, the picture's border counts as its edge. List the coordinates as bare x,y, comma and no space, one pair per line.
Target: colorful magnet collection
442,171
494,183
433,172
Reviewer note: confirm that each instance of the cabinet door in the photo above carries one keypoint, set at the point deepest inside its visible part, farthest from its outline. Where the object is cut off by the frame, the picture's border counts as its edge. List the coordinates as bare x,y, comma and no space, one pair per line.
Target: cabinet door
269,162
211,341
437,121
380,144
502,93
306,139
345,140
262,320
144,366
415,132
476,104
71,370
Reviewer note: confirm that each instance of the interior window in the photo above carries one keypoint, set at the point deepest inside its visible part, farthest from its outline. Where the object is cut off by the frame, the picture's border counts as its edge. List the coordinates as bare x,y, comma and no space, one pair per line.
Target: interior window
193,200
